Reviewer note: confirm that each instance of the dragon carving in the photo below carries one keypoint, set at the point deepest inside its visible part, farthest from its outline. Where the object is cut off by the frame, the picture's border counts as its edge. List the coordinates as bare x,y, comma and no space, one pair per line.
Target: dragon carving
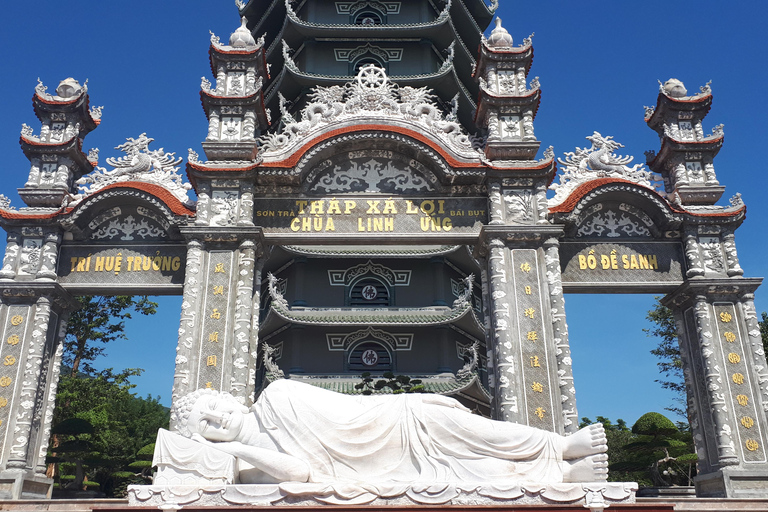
139,164
597,161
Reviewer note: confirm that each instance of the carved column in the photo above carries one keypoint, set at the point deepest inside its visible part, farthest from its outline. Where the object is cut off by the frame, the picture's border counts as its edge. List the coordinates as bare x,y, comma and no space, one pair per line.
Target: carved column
188,326
725,371
215,340
527,328
560,334
33,322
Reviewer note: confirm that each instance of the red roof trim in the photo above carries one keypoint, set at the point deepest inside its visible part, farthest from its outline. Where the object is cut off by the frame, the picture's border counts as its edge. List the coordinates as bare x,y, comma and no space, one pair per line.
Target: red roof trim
221,51
514,49
542,165
155,190
176,206
582,190
204,168
13,215
49,144
691,99
297,155
231,97
53,102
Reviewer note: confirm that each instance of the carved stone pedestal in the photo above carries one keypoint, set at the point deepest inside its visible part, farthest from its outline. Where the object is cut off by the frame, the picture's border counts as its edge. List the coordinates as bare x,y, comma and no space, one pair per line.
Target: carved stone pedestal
25,485
733,483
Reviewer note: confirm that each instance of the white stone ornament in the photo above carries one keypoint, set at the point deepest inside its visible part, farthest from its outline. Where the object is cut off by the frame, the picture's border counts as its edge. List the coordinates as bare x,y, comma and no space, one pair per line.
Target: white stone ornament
300,443
371,93
139,164
596,162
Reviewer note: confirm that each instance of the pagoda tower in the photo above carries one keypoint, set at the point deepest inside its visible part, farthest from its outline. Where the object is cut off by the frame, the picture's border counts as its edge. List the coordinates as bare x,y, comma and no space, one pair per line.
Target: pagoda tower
420,43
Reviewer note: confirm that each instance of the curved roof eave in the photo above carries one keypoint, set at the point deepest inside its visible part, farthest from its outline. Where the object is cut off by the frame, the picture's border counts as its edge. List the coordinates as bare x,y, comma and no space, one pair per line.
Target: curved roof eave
570,204
370,316
290,156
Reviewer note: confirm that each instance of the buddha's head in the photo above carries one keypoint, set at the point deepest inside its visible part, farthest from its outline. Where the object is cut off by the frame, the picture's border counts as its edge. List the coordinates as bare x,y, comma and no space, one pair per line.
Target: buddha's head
215,416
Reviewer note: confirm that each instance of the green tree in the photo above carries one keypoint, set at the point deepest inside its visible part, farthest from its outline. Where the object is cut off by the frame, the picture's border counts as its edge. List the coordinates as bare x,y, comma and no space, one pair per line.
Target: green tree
660,452
668,353
122,423
99,321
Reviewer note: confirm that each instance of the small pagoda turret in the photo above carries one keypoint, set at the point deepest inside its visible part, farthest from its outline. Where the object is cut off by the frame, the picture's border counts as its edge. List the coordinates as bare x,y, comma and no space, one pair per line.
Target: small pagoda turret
236,118
685,160
56,156
507,104
235,106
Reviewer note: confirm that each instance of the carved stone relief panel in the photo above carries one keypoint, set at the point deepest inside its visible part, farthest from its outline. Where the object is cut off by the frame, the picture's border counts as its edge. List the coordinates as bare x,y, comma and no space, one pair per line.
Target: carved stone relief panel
367,171
615,221
521,206
235,83
128,223
395,341
712,254
505,82
224,207
231,128
31,251
510,127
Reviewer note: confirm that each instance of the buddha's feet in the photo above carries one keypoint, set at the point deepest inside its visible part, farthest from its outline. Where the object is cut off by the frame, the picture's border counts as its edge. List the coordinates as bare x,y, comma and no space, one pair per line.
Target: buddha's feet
590,440
592,468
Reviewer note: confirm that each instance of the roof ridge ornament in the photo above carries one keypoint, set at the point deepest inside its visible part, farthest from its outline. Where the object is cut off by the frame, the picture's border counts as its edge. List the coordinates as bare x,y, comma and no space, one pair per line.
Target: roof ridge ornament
273,370
463,299
371,92
596,162
468,370
5,203
139,164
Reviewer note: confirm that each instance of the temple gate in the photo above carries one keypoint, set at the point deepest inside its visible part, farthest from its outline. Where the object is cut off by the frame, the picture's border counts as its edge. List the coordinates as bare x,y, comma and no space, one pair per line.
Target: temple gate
385,222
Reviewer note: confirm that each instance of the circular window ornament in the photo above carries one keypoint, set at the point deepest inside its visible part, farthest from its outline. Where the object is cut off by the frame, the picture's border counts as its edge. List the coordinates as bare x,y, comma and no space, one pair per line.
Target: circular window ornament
369,292
370,357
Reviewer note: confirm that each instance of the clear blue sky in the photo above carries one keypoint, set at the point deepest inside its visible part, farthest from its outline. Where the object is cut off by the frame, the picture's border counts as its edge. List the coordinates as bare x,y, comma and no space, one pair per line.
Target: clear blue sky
598,62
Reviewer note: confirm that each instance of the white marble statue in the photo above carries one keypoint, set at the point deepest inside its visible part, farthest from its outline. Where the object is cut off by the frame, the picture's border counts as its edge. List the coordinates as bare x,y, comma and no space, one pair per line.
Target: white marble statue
296,432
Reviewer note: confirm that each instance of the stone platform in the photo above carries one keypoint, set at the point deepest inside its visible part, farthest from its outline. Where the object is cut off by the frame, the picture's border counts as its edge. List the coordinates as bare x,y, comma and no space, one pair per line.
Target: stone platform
595,496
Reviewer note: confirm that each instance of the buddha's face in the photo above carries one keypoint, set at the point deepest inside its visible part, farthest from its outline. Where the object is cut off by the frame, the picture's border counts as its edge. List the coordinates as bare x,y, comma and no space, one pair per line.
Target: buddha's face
216,418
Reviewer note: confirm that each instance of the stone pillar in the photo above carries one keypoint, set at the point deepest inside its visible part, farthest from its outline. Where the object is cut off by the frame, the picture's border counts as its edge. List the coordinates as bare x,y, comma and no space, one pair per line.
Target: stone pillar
560,333
216,347
33,319
527,338
725,371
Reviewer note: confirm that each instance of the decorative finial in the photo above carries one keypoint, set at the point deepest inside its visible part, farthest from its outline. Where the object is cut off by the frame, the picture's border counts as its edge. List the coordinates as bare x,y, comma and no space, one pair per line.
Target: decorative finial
242,37
674,88
68,88
499,37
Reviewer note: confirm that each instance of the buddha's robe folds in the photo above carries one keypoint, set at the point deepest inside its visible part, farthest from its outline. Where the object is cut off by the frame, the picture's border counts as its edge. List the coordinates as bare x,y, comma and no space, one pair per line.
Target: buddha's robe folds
402,438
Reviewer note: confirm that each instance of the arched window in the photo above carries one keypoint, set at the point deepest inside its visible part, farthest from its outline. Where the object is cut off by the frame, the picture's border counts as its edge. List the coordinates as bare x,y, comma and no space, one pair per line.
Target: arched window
369,292
369,356
368,17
